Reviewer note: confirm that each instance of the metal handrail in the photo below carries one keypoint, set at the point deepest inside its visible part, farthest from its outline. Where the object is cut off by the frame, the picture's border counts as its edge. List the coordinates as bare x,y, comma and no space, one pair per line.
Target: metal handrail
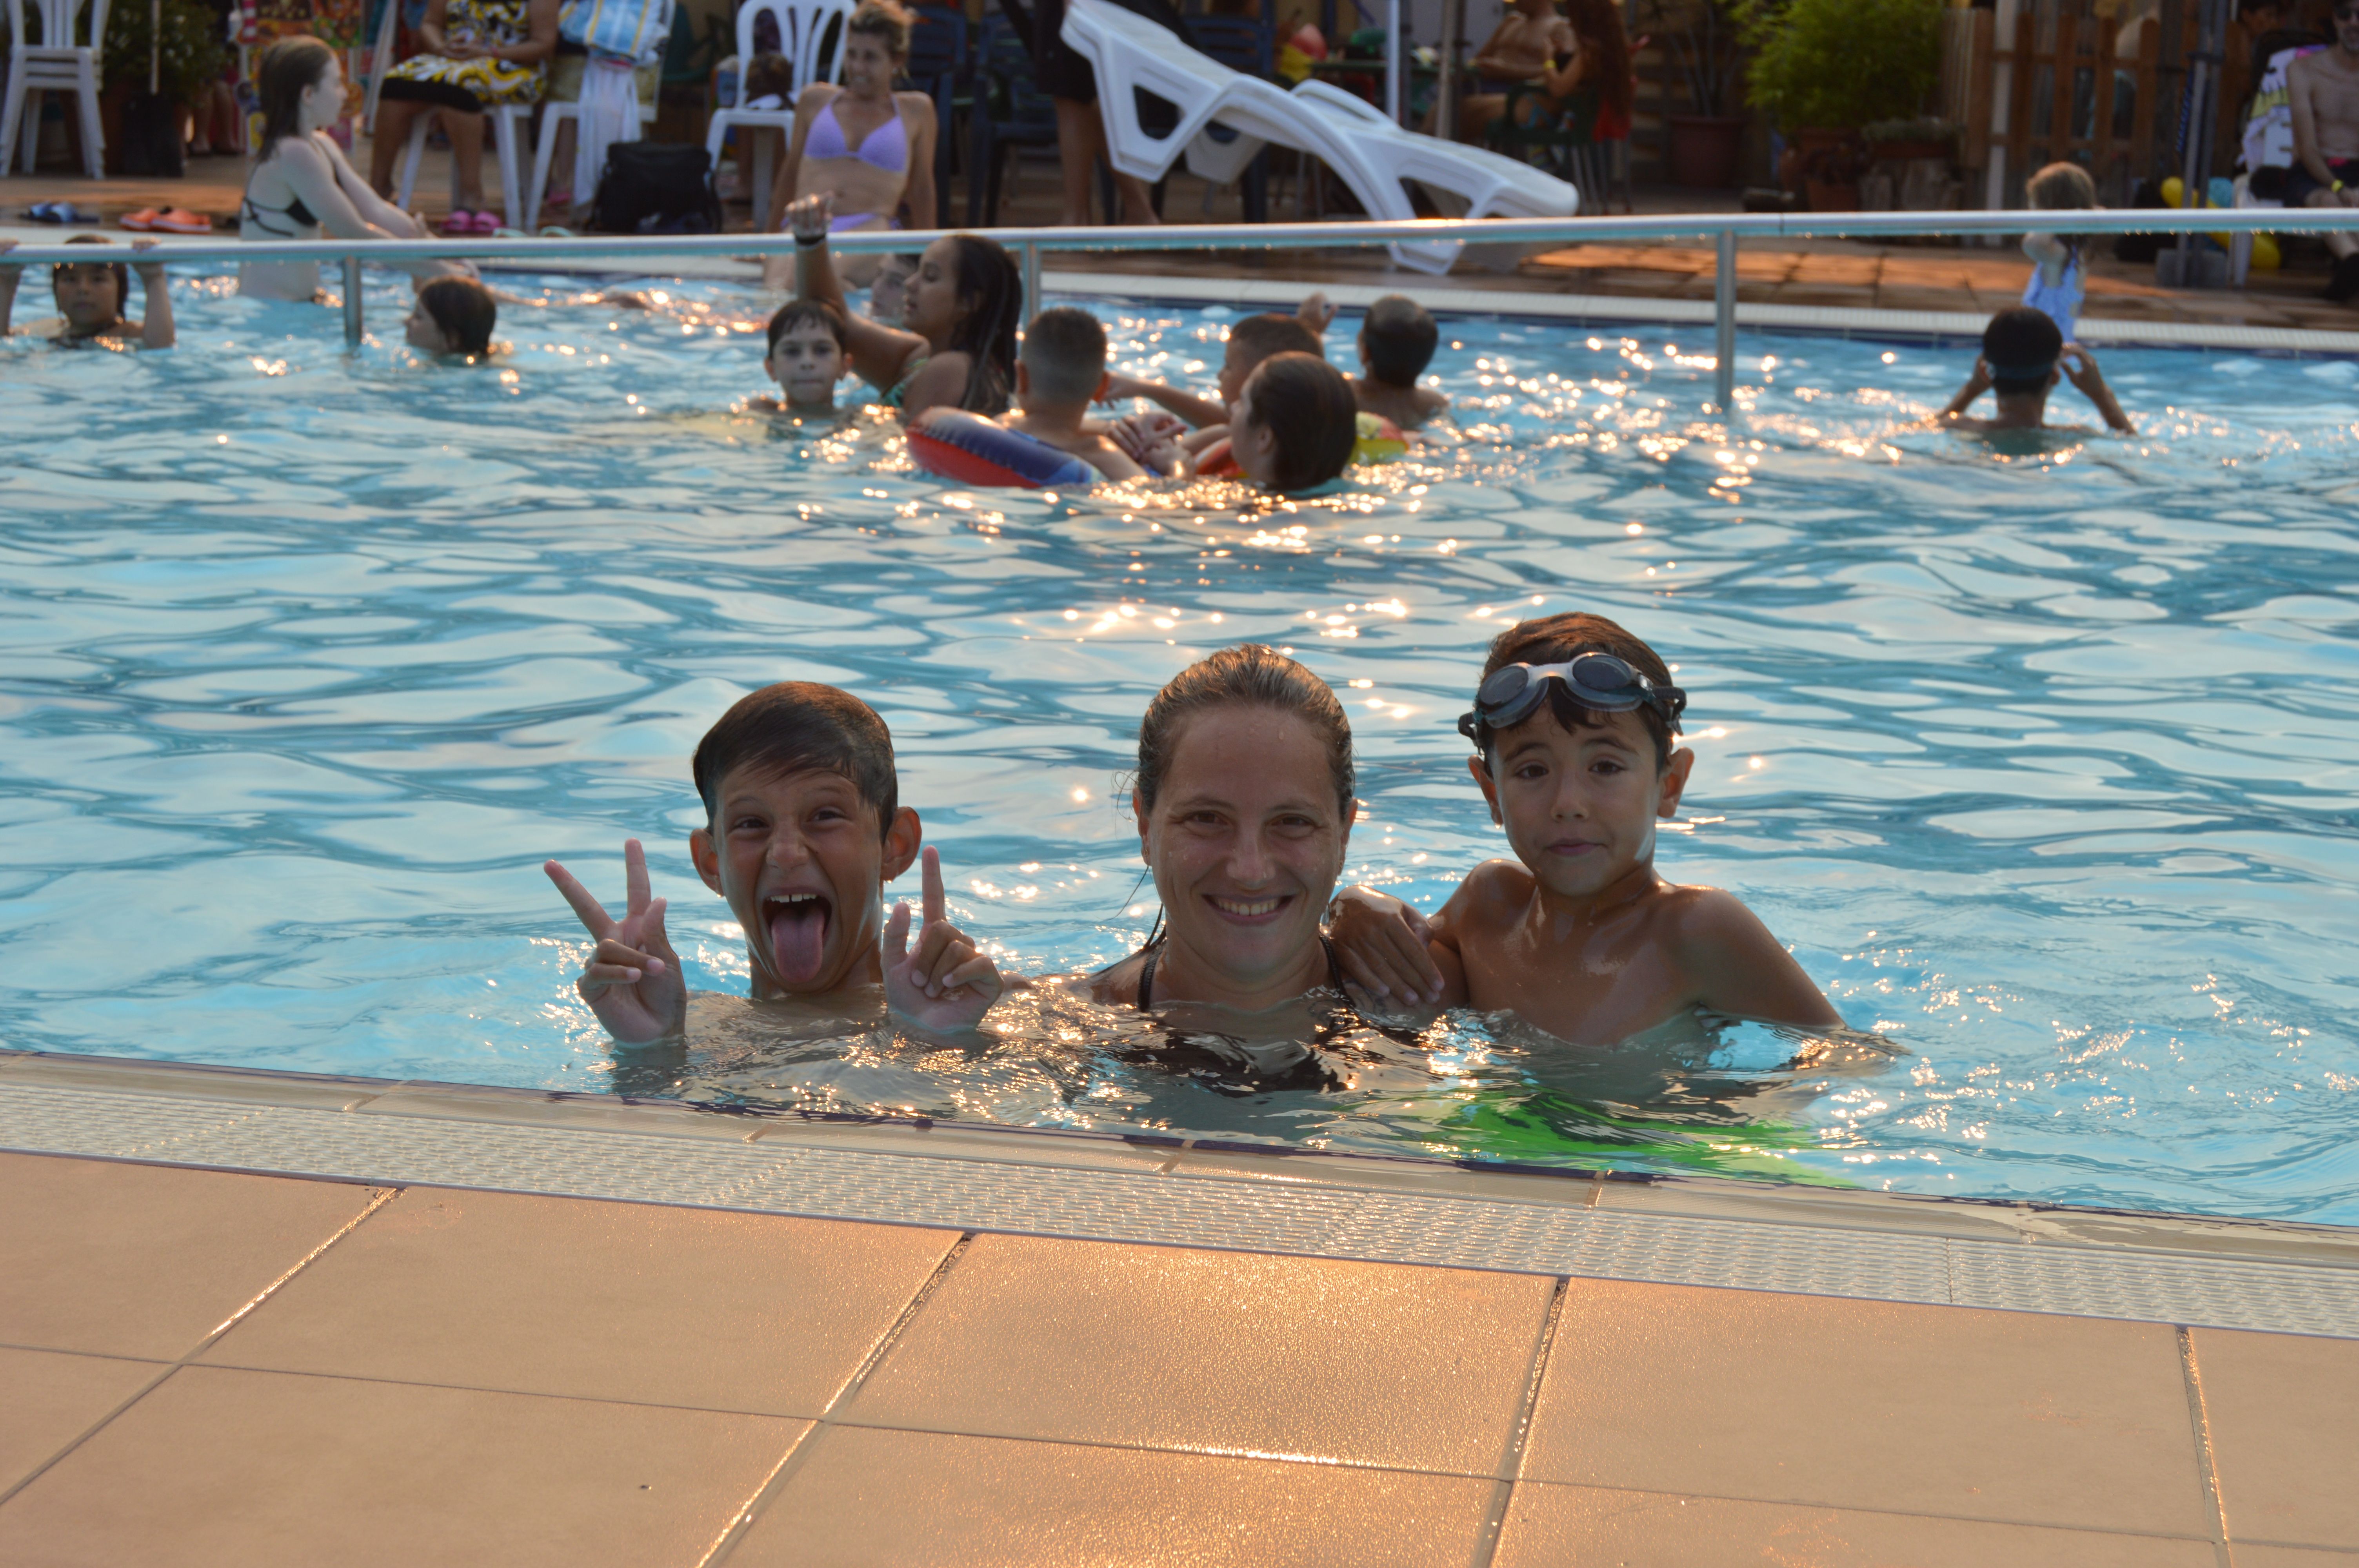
1724,229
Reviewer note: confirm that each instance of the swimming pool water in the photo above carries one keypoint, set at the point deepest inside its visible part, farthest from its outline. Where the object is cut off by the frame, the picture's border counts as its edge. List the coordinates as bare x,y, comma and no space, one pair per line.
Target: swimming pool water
2045,764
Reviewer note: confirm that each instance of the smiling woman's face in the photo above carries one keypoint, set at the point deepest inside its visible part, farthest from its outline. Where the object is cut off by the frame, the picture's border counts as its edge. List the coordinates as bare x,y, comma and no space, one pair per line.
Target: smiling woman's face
1246,840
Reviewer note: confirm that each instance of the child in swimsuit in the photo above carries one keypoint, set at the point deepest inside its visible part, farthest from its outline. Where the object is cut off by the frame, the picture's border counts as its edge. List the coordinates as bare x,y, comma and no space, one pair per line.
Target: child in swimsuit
90,296
2056,287
805,358
869,147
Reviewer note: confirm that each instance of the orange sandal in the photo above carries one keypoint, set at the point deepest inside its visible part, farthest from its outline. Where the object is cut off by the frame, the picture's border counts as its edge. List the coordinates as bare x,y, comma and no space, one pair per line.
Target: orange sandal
180,220
141,221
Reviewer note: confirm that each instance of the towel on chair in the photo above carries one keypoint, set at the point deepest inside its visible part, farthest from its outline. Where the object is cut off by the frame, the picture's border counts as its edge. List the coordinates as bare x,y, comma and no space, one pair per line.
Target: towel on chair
610,114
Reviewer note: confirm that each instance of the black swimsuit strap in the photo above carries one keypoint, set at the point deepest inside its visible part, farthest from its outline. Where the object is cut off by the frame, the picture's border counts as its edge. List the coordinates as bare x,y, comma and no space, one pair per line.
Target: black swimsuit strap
1147,974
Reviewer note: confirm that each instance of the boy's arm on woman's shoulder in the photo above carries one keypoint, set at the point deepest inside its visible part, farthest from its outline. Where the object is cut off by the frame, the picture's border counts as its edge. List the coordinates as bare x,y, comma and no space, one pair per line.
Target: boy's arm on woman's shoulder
1197,411
1735,966
1391,951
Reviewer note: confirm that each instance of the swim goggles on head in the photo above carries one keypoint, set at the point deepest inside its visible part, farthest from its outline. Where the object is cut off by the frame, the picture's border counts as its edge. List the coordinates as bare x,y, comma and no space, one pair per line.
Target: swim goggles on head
1600,682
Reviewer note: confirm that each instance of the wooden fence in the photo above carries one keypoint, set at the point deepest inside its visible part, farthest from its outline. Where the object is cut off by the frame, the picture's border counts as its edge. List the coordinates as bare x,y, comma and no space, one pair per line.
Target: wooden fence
2033,103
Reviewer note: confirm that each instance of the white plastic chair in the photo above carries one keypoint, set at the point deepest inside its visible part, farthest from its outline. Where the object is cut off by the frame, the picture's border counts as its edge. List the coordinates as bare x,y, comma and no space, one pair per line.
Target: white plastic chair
505,124
552,116
1367,151
802,33
55,64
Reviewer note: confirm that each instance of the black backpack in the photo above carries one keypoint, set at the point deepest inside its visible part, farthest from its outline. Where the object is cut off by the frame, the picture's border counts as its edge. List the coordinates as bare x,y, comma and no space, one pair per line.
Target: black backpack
656,188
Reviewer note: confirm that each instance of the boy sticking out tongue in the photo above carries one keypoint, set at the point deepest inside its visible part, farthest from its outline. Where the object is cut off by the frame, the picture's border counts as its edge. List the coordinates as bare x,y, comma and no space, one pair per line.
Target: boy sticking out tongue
802,829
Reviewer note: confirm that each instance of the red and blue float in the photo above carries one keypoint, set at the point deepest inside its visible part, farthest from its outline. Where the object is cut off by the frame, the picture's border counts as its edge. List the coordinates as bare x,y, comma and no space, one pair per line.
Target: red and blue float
973,451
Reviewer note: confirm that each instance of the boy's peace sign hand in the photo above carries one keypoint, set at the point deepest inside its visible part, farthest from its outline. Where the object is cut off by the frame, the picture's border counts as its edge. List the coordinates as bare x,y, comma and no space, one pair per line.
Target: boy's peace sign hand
946,984
633,980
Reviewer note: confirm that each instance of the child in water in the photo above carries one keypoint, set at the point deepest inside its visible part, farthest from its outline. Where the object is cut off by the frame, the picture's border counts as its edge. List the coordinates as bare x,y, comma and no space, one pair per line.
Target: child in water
802,828
1058,374
806,357
91,297
1579,935
1293,425
453,316
2024,356
1397,342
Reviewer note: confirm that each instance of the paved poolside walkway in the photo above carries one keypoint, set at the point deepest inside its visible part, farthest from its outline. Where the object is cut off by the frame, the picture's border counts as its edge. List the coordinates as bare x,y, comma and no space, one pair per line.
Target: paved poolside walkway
1842,274
209,1366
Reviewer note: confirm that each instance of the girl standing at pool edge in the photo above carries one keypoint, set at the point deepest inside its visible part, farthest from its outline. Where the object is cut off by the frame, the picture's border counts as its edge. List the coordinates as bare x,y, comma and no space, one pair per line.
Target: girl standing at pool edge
962,306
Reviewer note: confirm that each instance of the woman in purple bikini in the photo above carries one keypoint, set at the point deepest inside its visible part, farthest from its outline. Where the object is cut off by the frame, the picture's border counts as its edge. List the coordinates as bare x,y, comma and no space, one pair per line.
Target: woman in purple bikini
868,147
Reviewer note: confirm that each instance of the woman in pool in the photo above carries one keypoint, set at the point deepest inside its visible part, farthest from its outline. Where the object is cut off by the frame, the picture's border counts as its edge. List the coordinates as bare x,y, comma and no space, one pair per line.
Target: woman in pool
480,54
869,147
1245,808
962,309
302,186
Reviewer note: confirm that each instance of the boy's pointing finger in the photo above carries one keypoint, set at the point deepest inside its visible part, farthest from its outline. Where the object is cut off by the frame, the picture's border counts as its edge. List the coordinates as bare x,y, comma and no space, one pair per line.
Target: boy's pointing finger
930,880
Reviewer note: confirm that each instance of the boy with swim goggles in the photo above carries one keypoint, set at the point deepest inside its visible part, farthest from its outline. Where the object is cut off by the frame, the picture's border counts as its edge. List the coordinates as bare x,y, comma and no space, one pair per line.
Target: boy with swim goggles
1573,725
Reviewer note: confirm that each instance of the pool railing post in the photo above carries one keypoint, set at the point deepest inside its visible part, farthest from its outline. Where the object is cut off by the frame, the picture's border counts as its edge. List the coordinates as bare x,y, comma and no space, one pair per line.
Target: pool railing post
352,302
1723,322
1030,263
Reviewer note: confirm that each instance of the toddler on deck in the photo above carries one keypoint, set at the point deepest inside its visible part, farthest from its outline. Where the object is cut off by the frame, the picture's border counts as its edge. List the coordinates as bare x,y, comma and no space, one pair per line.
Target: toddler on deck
2058,285
1578,935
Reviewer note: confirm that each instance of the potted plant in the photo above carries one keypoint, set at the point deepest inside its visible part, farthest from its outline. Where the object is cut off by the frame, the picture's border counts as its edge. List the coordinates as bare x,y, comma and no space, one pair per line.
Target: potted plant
1705,142
1823,68
188,54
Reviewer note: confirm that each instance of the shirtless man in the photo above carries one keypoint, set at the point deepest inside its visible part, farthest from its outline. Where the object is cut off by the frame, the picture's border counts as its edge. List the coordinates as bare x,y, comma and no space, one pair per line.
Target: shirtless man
2325,89
1529,39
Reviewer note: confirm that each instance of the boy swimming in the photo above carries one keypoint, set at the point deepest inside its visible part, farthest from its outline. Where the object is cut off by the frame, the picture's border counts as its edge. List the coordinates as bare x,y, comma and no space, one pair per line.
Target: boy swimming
1250,341
2024,356
1397,342
803,827
1572,728
1059,371
807,356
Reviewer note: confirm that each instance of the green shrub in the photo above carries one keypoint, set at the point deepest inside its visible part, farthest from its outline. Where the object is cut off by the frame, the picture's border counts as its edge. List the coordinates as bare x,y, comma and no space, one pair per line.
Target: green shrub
192,55
1843,63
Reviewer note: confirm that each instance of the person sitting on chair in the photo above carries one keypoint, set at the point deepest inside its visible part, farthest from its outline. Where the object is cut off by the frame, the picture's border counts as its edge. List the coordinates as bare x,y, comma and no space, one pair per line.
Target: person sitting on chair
2325,89
480,54
1594,52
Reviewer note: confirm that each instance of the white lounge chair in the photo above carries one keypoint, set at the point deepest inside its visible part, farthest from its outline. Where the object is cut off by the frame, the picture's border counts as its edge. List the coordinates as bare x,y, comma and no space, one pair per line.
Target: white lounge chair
1369,152
802,31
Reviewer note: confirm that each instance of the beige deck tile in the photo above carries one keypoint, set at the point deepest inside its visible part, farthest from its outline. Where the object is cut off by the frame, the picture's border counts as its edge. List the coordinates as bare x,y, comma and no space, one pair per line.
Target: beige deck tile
1577,1527
259,1469
895,1497
1953,1411
608,1300
1160,1347
2284,1412
143,1260
2290,1557
51,1399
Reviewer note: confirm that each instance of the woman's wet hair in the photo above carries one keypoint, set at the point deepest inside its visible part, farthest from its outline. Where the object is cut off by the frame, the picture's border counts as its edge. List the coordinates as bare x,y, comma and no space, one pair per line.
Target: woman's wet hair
798,725
122,273
816,312
289,68
1308,410
989,292
1555,640
1251,675
884,19
465,311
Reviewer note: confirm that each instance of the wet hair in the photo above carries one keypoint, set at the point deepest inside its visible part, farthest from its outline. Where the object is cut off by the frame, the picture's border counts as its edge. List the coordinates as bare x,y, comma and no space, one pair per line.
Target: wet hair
1253,675
1398,339
1554,640
882,19
798,725
1598,24
465,311
2060,186
2021,345
1261,336
1065,350
122,273
799,312
990,291
289,68
1307,408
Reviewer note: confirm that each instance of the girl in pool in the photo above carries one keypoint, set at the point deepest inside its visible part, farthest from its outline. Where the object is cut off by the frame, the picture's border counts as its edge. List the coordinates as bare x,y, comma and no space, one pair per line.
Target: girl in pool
962,309
301,185
453,317
91,297
1292,427
1245,808
869,147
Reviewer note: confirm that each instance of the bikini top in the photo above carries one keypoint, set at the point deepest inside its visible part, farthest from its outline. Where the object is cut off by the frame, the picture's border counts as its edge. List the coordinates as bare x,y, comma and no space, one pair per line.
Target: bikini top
886,148
294,213
1146,973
